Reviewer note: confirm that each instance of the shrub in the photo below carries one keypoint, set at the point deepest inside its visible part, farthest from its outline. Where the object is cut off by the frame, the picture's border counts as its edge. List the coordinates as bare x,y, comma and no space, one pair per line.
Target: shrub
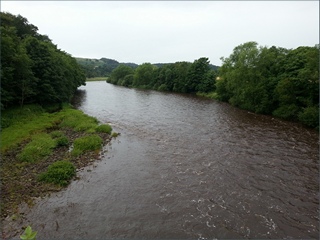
104,128
40,146
288,112
86,143
310,116
163,87
62,141
58,173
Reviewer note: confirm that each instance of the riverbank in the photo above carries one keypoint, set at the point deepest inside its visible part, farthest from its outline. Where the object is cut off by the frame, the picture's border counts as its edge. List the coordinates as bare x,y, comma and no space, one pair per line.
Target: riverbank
32,139
96,79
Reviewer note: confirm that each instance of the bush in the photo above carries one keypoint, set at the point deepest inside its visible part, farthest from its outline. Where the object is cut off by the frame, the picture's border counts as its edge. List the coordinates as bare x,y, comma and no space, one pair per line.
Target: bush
86,143
40,146
62,141
58,173
288,112
163,88
104,128
310,116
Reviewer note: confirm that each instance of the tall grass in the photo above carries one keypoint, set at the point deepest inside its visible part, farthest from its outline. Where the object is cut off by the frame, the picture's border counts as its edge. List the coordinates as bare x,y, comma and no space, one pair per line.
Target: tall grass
20,124
104,128
86,143
59,173
77,120
21,127
40,146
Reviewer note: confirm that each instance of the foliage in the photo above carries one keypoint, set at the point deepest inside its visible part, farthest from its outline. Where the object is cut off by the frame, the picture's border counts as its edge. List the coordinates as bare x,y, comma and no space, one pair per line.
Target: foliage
59,173
97,79
33,69
40,146
106,128
212,95
95,68
29,234
77,120
62,141
118,75
57,134
143,75
86,143
22,123
178,77
273,80
17,115
310,117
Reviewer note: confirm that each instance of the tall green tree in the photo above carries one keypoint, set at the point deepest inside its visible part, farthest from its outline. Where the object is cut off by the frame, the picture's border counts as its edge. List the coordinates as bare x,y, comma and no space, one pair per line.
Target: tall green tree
197,74
33,70
143,75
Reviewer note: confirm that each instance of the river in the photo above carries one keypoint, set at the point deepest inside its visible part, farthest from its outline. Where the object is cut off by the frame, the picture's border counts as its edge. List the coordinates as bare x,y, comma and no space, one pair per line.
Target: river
186,167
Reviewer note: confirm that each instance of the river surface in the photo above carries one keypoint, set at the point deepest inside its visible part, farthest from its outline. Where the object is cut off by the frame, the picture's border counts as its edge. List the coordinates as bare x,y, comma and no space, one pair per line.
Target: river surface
186,167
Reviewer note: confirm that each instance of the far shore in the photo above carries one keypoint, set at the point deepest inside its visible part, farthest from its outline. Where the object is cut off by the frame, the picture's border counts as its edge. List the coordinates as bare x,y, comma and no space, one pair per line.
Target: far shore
96,79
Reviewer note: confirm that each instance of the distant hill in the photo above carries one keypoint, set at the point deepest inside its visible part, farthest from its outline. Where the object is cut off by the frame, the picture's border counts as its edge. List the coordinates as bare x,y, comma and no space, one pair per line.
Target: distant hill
100,67
104,66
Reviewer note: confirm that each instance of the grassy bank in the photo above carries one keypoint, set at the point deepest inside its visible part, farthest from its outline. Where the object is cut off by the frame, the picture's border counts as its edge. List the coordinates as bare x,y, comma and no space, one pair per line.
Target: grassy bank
212,95
96,79
41,149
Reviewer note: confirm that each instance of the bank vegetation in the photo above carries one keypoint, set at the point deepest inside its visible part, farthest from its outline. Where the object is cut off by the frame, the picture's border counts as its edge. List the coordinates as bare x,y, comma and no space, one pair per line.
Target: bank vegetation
265,80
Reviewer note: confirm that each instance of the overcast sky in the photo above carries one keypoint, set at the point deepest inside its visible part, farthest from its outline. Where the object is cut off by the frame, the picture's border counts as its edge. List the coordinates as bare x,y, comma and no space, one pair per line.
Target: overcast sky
169,31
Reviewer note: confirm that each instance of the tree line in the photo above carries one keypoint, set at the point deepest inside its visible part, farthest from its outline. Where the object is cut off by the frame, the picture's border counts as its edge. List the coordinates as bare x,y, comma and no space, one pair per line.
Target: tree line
182,77
274,81
33,69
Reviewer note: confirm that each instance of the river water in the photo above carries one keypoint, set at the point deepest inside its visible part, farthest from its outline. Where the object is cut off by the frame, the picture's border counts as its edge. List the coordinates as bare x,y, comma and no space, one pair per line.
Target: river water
186,167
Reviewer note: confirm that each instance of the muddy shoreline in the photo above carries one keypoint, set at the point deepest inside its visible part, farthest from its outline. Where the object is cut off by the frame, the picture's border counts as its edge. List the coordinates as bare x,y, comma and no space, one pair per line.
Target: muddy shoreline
20,188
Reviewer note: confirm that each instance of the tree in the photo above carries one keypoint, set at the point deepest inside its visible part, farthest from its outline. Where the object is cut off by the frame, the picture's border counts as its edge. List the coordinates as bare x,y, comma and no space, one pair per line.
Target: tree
197,74
119,73
33,70
143,75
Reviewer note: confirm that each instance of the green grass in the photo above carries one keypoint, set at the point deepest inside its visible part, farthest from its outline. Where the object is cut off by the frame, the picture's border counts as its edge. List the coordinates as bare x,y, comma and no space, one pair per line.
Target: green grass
56,134
22,127
19,124
212,95
104,128
60,173
62,141
77,120
97,79
86,143
18,115
60,138
40,147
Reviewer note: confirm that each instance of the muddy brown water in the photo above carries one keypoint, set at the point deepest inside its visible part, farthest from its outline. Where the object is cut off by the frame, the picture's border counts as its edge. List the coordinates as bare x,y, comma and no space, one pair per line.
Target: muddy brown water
185,167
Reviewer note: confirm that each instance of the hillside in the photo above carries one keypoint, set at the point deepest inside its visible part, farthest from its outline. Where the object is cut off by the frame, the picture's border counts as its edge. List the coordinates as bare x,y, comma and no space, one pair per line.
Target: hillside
104,66
100,67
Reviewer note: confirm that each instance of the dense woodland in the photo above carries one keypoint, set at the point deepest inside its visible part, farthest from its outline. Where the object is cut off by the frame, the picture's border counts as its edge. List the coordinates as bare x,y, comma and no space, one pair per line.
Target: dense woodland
33,69
277,81
103,67
267,80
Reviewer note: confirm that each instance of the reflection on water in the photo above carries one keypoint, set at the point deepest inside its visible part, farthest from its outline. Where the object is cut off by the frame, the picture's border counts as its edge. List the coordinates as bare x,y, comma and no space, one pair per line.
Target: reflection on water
187,167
